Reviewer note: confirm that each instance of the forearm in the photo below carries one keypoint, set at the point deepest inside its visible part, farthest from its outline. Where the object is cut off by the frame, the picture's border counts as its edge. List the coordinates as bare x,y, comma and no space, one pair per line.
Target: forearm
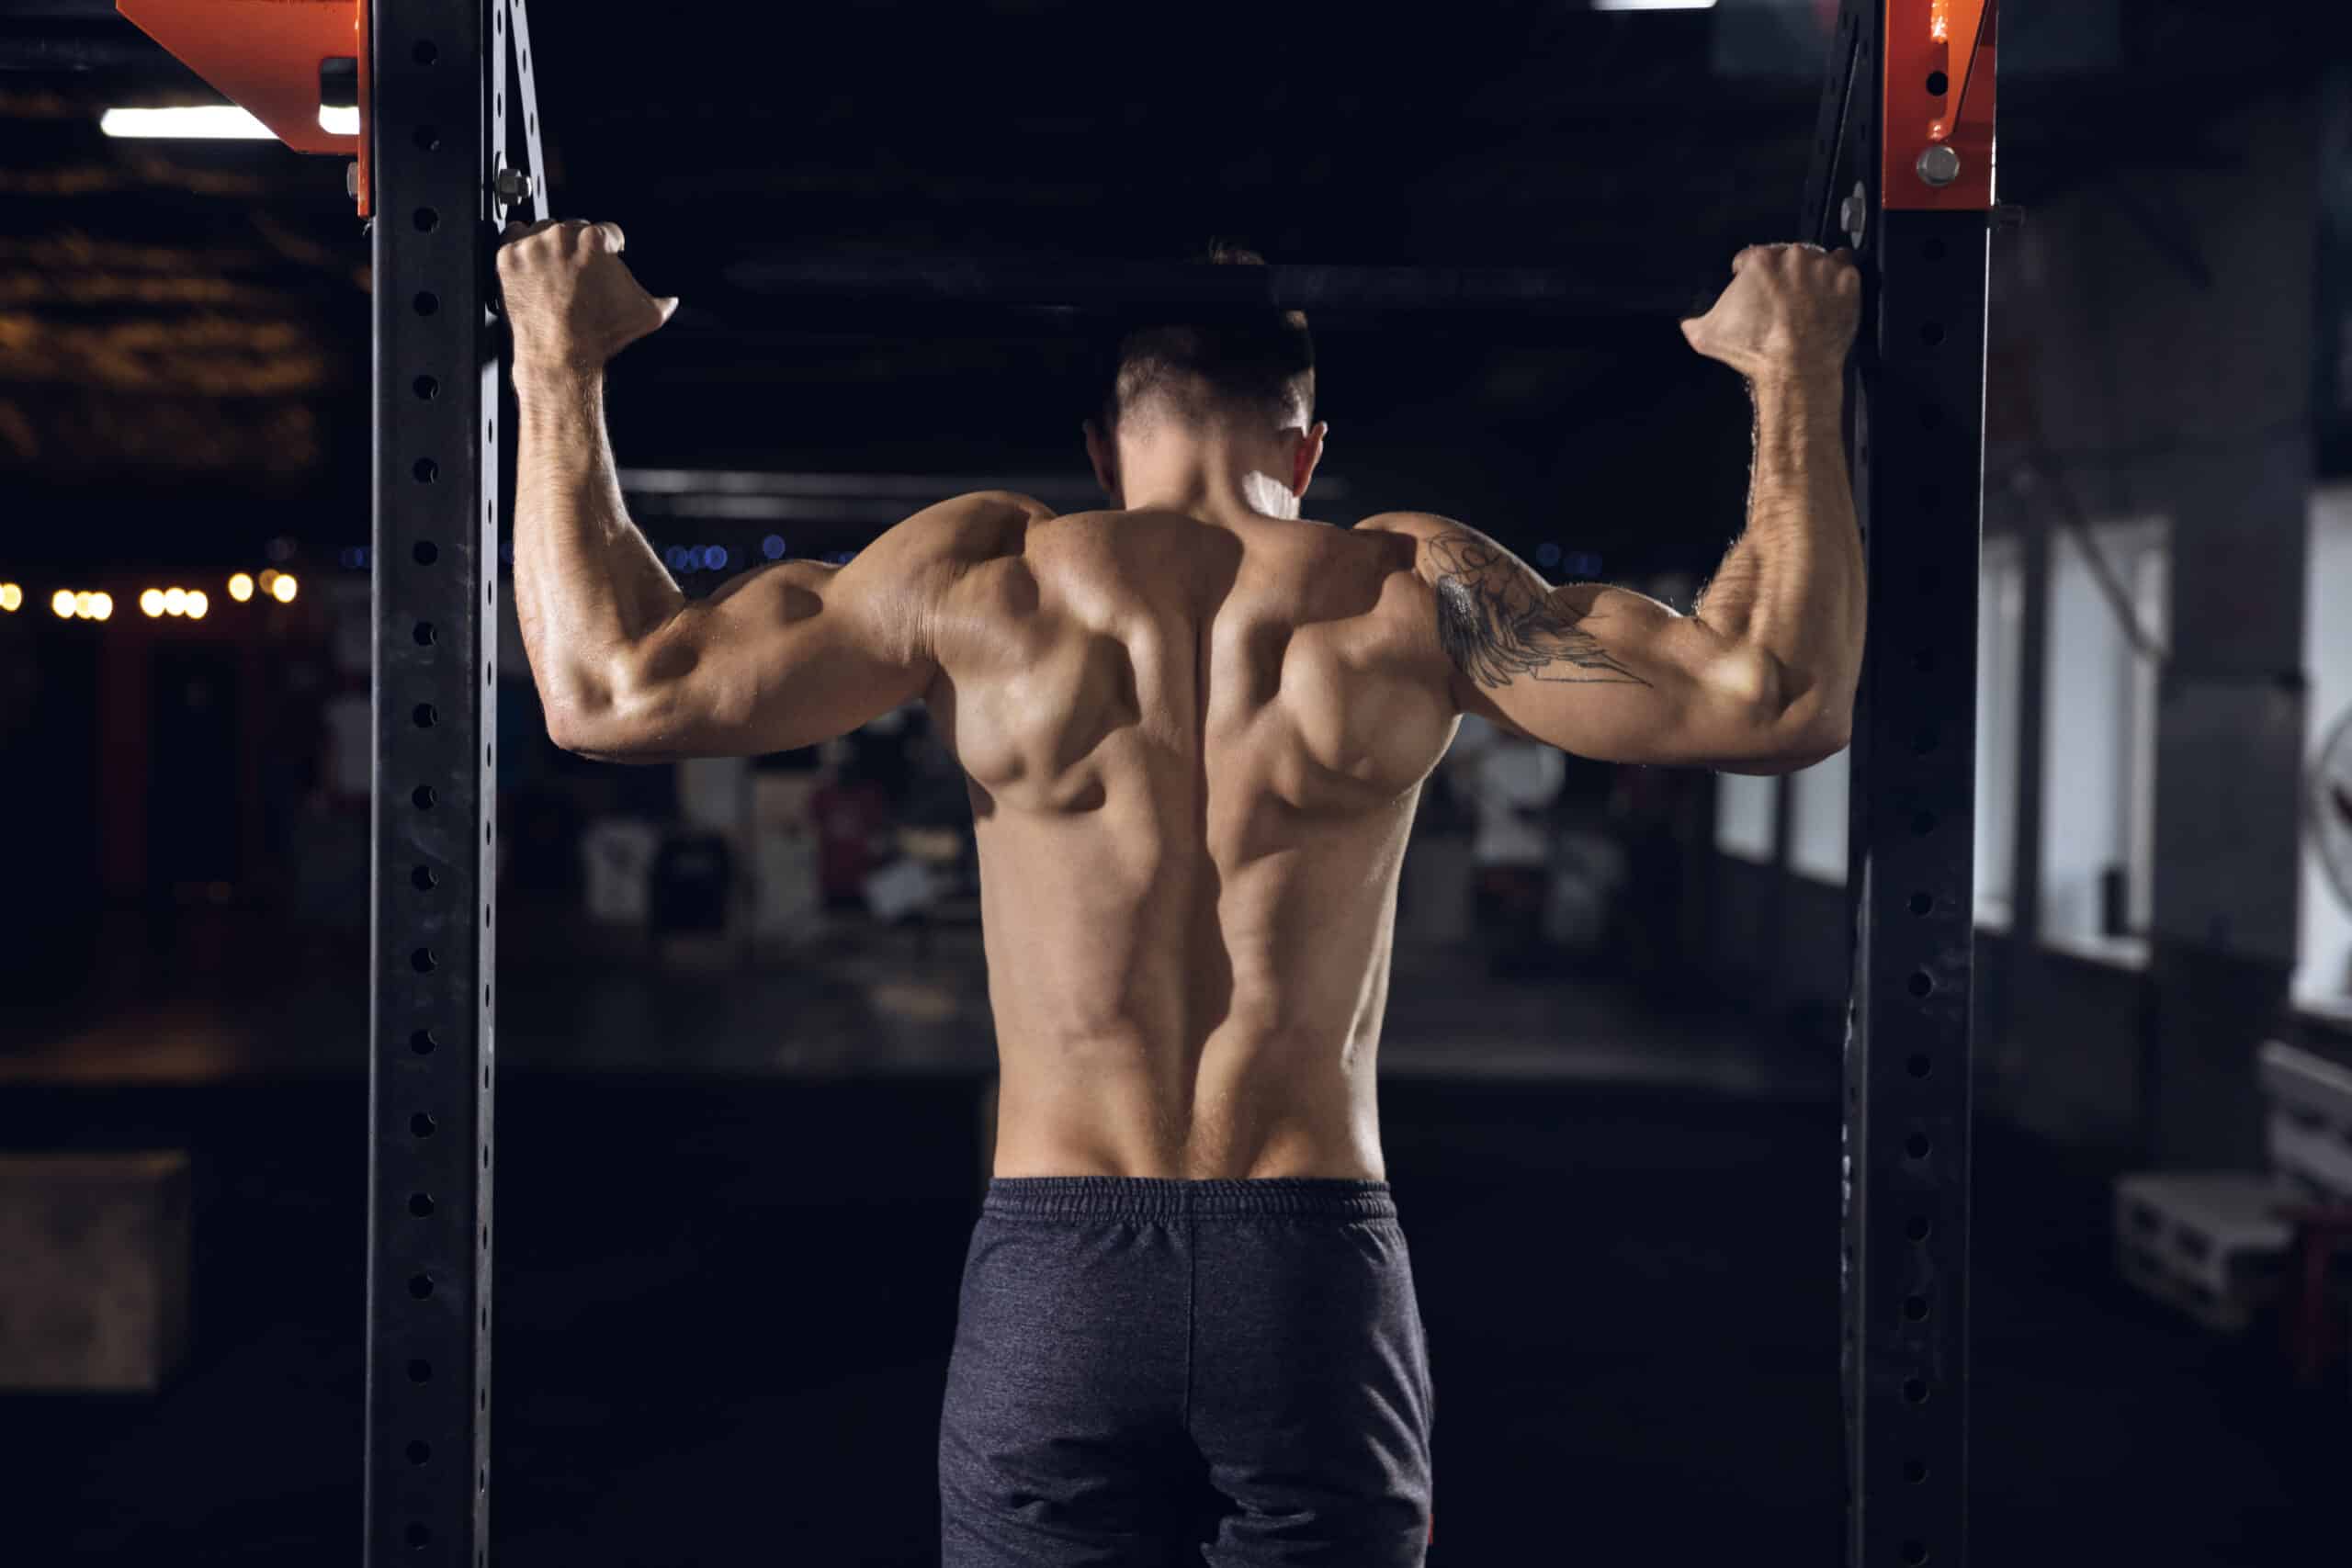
588,586
1791,587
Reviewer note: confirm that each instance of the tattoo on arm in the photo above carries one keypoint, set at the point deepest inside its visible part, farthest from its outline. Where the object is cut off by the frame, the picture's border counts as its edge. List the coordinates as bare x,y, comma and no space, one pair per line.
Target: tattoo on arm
1496,627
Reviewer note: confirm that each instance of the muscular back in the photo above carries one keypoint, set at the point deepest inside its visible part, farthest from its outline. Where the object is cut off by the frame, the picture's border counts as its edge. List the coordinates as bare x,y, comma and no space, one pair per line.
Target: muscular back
1194,752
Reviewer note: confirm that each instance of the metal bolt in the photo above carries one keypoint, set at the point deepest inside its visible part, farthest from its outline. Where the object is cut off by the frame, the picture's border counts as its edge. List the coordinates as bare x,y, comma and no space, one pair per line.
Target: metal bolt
1853,213
514,185
1940,165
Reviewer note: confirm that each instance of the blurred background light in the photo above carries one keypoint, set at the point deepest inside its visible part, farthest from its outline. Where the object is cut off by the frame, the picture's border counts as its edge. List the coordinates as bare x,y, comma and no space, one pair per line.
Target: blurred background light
85,606
152,603
773,547
12,598
62,602
241,588
101,608
283,590
196,604
176,601
188,122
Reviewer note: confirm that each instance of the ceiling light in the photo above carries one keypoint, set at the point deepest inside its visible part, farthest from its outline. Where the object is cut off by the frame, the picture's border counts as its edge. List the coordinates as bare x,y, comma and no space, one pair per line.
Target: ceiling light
188,122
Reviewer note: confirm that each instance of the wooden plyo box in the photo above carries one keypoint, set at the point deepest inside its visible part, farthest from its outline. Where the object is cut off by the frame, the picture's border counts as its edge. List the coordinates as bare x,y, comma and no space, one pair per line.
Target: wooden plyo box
94,1260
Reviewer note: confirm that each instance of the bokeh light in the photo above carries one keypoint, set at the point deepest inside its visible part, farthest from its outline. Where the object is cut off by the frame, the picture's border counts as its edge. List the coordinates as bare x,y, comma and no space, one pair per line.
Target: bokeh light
152,603
283,589
196,604
101,608
12,598
176,601
62,602
241,588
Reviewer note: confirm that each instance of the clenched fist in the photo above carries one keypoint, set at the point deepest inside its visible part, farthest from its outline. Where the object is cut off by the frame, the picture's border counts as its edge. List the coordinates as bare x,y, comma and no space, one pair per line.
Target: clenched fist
1791,312
572,303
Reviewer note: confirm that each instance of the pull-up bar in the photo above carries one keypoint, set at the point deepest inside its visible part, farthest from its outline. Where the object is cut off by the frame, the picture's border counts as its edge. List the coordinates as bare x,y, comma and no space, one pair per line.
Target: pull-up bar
1124,286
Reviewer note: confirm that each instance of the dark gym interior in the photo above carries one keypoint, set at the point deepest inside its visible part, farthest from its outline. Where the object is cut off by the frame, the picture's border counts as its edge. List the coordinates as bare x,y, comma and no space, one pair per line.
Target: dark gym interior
745,1086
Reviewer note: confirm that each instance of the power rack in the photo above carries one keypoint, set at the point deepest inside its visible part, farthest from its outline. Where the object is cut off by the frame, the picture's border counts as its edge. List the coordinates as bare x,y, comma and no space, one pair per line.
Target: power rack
448,150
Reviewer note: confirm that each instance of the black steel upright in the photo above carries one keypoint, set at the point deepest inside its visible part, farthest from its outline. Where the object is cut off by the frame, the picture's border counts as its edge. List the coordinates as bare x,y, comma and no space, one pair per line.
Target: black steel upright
439,118
1918,451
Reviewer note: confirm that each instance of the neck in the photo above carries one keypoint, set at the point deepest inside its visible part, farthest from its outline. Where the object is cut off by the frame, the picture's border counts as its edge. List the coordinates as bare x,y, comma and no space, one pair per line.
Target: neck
1219,480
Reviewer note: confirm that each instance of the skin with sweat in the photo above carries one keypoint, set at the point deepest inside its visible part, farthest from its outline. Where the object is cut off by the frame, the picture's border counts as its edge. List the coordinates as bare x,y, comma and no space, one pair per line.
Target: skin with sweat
1195,726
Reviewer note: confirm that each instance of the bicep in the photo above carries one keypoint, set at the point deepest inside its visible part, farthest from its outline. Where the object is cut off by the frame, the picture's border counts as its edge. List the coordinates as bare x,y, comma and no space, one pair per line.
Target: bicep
798,653
781,658
1600,670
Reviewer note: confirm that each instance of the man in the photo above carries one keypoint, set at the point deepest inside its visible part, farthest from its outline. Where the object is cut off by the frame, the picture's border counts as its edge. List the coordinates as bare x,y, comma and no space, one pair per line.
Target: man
1194,729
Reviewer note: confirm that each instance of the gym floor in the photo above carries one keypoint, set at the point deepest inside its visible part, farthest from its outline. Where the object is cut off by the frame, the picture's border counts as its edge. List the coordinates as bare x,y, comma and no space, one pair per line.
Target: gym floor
731,1215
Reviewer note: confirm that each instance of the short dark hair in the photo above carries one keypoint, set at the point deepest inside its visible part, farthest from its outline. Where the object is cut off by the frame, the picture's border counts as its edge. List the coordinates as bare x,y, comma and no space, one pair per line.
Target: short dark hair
1256,364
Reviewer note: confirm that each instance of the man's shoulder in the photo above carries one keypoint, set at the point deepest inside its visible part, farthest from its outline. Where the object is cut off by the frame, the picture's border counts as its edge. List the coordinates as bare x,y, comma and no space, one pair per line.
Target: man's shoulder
978,526
1412,524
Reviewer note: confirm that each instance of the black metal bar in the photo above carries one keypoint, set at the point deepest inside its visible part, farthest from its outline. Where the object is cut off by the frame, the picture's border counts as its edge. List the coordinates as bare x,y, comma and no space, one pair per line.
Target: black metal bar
1120,286
1841,141
537,204
436,448
1918,458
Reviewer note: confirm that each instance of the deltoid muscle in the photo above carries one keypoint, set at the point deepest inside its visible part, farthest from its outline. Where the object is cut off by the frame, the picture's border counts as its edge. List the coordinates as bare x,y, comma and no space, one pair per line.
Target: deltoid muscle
1496,627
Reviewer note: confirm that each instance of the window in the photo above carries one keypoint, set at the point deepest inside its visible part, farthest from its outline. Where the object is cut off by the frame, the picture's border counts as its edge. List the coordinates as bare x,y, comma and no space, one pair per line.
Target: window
2324,946
1745,806
2000,658
2099,738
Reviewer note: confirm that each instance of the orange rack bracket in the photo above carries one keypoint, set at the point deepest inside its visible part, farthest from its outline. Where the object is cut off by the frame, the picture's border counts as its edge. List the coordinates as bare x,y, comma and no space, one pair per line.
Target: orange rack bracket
1938,129
265,56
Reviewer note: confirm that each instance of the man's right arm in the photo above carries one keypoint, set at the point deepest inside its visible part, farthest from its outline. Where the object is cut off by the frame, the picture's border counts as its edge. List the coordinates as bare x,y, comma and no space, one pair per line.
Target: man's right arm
628,669
1761,677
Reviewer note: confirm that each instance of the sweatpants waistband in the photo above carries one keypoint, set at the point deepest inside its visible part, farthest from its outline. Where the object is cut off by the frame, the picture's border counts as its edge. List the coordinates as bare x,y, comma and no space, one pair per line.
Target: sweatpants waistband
1153,1198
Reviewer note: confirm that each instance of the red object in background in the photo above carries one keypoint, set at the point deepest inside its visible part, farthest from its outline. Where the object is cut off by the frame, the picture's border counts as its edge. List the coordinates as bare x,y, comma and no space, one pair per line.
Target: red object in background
264,56
848,815
2323,1232
1928,43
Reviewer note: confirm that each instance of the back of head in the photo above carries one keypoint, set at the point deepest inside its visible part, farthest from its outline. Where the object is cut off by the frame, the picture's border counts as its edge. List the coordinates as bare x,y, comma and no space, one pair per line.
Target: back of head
1251,367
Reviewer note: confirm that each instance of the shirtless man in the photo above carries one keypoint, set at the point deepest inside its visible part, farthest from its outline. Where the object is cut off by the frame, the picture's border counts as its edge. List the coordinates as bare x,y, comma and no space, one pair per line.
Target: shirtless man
1195,728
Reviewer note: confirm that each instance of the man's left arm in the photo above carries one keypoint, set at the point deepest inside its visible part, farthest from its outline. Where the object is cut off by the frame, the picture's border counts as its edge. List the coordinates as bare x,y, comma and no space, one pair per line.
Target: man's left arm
628,669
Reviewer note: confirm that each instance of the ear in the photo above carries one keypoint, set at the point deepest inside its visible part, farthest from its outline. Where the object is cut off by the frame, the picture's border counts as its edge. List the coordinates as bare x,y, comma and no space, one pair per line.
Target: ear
1304,457
1103,453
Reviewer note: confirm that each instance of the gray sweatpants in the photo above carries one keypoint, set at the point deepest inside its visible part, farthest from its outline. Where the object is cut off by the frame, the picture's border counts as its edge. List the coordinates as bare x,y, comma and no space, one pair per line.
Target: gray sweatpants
1151,1373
